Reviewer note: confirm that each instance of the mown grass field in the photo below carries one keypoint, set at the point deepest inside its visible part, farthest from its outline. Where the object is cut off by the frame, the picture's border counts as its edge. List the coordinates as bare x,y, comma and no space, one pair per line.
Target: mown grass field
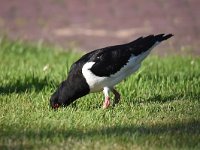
160,106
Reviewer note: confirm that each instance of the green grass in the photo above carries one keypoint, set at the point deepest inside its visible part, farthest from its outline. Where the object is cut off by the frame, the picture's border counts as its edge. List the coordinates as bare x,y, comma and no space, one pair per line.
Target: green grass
160,106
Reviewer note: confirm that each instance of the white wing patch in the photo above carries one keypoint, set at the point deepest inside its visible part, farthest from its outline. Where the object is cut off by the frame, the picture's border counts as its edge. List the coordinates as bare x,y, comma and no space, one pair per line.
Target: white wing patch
94,82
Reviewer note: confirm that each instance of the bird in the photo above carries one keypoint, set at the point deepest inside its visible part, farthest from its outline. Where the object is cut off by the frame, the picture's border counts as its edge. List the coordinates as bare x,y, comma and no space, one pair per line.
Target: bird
101,69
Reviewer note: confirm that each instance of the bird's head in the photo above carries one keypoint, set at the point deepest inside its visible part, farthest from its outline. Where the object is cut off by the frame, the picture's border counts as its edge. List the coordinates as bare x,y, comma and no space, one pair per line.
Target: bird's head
54,101
62,97
68,91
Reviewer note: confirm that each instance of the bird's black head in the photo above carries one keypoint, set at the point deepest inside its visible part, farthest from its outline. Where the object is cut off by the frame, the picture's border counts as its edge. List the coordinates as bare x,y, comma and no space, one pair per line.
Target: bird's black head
68,91
54,101
62,97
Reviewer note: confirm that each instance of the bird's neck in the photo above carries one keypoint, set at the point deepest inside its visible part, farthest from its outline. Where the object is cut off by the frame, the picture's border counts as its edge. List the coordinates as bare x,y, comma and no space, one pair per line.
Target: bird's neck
72,90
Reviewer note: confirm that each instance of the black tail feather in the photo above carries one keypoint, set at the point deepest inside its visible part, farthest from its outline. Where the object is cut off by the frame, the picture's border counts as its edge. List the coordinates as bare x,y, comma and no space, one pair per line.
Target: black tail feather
143,44
162,37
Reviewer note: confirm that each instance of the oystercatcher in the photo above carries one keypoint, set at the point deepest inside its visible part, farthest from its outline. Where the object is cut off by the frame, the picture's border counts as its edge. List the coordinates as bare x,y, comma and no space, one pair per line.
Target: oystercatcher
102,69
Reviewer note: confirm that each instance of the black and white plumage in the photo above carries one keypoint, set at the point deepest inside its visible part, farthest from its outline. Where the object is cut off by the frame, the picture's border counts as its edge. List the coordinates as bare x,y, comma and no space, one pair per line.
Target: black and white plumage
102,69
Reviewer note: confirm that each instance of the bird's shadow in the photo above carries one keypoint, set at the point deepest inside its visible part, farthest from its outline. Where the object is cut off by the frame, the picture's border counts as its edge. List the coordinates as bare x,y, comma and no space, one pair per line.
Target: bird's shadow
158,98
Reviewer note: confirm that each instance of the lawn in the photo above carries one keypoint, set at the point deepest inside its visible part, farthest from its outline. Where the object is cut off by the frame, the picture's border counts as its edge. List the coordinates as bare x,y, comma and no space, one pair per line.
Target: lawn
159,109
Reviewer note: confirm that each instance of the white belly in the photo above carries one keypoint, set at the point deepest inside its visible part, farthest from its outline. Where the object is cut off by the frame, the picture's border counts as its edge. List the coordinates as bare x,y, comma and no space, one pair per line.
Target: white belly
97,83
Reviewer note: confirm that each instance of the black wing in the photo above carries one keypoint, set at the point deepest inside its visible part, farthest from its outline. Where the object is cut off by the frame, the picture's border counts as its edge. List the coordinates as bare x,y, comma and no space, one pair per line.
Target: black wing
107,61
111,59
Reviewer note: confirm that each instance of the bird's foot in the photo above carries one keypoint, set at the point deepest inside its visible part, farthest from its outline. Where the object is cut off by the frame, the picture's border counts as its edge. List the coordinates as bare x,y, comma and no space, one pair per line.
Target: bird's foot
106,103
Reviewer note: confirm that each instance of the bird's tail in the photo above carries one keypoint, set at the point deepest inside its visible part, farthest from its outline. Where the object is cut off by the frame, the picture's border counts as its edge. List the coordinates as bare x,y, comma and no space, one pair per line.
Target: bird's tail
162,37
144,44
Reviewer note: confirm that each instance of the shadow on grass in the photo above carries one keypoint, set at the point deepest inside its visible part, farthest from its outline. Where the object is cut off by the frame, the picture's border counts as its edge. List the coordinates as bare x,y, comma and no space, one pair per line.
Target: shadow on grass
169,98
175,96
27,84
182,134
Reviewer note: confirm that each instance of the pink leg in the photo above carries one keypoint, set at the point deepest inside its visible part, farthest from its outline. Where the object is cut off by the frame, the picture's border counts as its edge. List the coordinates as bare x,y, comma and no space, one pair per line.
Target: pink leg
106,103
